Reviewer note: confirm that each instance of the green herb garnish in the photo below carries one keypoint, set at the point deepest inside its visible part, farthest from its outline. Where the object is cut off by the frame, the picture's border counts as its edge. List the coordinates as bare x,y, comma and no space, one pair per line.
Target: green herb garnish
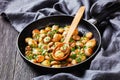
29,57
73,49
73,56
78,59
71,40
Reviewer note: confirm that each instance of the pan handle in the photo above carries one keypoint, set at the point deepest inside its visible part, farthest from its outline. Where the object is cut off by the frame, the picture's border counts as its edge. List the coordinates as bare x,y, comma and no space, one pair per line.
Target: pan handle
105,13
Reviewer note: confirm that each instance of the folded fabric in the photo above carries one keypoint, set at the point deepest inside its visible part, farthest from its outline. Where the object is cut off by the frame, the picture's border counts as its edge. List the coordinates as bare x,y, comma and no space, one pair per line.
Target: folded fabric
106,65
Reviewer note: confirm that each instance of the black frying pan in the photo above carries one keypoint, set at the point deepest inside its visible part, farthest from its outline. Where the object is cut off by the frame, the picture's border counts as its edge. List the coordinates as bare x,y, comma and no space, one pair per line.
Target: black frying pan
84,26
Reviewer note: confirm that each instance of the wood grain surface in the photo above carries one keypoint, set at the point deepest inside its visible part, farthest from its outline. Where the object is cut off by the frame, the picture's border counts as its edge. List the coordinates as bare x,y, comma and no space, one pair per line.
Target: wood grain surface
12,66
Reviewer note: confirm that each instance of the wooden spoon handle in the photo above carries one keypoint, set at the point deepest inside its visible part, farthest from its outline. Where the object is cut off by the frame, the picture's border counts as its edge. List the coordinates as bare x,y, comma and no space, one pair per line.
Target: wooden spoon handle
74,23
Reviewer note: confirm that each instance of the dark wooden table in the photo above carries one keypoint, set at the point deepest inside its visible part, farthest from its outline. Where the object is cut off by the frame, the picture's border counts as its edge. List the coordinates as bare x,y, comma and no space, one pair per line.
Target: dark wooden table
12,66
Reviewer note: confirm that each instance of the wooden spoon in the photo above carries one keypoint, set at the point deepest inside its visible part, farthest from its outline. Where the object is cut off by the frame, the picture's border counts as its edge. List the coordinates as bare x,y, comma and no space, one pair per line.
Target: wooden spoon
73,26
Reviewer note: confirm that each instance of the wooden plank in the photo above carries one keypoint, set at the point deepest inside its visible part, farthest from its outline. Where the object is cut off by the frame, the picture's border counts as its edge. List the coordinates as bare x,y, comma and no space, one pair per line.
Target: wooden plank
7,50
22,70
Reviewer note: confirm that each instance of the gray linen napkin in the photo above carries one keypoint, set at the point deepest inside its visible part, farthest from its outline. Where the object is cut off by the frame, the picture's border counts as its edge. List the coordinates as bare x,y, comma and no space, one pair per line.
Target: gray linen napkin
106,65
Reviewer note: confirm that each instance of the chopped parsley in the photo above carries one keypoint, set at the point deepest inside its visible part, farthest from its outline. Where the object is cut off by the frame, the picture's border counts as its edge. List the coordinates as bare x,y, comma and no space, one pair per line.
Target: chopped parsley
73,56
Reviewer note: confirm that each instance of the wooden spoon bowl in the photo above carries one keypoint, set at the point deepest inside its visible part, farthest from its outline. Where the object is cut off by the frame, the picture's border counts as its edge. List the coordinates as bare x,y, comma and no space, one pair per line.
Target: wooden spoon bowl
65,52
